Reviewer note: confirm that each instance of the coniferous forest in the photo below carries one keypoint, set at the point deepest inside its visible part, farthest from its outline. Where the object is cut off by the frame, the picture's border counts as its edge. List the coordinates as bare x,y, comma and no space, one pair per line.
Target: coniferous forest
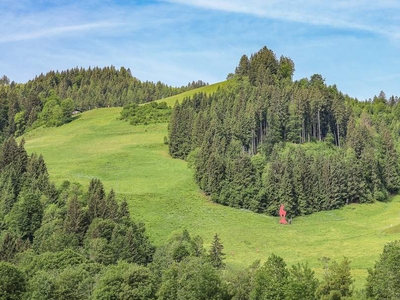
261,141
51,99
266,140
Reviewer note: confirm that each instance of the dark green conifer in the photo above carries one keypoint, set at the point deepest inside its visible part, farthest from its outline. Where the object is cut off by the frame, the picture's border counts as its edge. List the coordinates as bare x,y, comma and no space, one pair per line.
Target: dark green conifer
216,255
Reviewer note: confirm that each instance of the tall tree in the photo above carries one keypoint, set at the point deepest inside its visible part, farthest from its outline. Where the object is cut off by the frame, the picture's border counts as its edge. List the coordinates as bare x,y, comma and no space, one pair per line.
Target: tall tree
337,282
271,280
383,281
215,254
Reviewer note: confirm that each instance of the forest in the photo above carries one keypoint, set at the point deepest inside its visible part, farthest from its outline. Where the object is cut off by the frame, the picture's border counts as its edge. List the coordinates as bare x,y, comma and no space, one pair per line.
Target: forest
266,140
50,99
261,141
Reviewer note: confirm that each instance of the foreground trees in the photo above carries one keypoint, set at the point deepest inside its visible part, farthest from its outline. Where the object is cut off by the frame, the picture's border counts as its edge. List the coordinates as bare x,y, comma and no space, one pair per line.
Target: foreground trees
383,281
12,281
65,243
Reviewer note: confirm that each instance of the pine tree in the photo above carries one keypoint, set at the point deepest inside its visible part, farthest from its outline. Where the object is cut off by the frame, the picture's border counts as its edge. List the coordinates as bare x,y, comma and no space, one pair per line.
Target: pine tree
112,206
216,255
243,68
96,199
389,162
75,221
123,212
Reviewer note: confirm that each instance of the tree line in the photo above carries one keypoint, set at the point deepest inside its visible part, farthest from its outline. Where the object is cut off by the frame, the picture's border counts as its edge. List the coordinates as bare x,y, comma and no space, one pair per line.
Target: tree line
70,243
265,140
49,99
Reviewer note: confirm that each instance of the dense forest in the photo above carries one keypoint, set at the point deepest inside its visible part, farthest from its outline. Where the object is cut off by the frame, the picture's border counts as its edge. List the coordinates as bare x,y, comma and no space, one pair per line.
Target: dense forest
50,99
266,140
68,242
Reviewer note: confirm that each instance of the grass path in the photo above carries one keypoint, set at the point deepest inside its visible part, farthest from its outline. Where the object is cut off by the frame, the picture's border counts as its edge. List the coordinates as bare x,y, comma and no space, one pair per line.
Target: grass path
161,192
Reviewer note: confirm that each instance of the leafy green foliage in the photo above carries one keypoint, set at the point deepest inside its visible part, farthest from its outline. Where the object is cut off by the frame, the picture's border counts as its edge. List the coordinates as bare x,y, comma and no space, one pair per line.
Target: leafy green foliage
337,281
75,257
302,283
241,283
12,282
270,280
192,278
176,249
26,215
125,281
383,281
60,237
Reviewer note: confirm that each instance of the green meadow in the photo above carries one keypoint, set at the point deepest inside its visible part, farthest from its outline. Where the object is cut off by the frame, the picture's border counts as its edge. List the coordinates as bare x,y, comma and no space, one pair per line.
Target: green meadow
208,89
134,161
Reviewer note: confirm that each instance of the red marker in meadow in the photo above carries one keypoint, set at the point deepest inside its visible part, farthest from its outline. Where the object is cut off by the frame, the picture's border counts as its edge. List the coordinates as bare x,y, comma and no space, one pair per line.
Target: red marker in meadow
282,213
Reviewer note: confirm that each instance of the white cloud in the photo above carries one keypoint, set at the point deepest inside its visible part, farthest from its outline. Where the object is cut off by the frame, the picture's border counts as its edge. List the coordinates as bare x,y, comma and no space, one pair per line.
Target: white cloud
379,17
41,33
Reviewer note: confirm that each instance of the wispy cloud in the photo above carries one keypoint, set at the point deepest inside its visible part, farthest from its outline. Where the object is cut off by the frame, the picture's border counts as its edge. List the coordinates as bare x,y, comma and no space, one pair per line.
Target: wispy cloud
41,33
380,17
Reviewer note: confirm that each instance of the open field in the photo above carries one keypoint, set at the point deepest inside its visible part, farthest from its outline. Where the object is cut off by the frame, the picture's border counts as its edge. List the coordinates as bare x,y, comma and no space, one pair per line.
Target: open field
208,89
161,192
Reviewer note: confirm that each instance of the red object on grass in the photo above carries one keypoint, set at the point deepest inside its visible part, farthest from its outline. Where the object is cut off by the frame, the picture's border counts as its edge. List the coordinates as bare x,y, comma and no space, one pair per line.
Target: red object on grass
282,213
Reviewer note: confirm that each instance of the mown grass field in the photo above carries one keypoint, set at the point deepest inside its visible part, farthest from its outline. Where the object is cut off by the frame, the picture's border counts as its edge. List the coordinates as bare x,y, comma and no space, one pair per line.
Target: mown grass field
208,89
161,191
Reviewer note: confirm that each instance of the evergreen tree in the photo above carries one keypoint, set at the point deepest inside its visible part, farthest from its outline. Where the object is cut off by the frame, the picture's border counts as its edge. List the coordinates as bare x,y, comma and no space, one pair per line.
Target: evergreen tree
216,255
244,65
76,220
96,199
10,245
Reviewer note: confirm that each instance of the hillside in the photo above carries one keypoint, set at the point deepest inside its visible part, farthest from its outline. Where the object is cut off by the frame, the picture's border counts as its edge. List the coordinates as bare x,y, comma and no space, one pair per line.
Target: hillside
161,192
208,89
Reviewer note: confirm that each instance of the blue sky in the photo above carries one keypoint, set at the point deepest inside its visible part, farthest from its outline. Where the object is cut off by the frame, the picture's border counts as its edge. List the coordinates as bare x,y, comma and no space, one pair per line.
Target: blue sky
353,44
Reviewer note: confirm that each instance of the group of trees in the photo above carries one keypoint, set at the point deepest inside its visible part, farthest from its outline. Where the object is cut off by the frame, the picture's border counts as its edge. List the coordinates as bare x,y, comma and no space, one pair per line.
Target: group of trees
67,243
265,140
49,99
52,235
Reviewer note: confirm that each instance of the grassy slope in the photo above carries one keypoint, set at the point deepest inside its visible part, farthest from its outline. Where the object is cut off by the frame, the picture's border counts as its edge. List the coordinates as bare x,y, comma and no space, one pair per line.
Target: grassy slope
134,161
208,89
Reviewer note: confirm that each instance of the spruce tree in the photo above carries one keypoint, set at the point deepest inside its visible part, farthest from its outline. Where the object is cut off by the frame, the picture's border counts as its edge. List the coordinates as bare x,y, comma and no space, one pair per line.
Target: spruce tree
216,255
96,199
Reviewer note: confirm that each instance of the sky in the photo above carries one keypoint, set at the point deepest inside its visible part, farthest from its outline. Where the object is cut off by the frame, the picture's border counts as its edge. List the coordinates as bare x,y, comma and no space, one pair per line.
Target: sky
353,44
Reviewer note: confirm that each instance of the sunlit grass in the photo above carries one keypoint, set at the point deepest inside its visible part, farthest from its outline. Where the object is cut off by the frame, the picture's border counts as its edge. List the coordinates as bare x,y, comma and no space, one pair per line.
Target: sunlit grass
208,89
161,192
